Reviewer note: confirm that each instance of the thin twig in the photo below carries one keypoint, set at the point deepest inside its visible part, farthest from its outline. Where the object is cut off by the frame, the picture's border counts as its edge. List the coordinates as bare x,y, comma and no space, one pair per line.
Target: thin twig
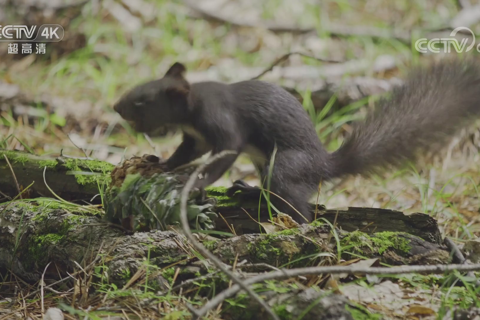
5,196
81,149
286,56
458,257
204,251
353,269
457,254
14,177
42,287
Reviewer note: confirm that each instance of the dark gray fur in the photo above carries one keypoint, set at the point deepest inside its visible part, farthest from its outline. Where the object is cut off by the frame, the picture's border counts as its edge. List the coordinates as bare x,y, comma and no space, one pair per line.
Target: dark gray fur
432,104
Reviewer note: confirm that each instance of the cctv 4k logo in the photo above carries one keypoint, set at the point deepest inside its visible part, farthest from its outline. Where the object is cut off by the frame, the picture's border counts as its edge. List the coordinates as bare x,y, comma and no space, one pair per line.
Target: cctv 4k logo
24,33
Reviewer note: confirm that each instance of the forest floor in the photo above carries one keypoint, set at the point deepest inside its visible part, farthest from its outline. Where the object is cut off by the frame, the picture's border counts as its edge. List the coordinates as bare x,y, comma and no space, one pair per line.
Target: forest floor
61,102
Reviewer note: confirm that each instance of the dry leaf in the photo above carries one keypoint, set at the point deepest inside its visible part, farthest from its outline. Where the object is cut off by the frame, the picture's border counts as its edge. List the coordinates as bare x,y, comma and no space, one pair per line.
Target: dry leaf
285,221
421,310
359,263
270,227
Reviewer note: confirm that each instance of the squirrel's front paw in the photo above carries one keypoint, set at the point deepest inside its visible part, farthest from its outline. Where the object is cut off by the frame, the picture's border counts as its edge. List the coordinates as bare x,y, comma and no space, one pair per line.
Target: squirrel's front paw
246,190
151,158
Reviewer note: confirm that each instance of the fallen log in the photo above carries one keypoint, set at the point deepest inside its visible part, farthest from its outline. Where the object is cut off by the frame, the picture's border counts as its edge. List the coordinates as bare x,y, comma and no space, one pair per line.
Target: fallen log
79,180
71,179
63,240
41,231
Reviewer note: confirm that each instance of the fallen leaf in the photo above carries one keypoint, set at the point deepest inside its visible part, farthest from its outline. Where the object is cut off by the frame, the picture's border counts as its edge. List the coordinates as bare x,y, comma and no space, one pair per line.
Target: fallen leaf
421,310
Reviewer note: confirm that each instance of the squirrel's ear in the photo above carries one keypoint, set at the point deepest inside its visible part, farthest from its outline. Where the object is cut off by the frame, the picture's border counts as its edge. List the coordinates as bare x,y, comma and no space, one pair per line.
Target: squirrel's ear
177,91
176,70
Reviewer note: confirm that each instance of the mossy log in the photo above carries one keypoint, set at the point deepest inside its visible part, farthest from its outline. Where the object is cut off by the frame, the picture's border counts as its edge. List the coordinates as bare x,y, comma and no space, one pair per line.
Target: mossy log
80,180
368,220
70,178
37,232
45,230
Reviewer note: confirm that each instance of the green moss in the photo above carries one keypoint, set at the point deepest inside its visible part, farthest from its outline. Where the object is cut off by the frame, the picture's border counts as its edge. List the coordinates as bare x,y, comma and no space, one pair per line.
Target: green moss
49,163
126,274
94,165
168,274
58,231
24,204
41,216
286,232
99,169
358,241
210,244
317,223
265,250
40,244
49,239
14,156
386,240
216,191
44,206
70,222
49,203
276,248
281,310
219,193
95,171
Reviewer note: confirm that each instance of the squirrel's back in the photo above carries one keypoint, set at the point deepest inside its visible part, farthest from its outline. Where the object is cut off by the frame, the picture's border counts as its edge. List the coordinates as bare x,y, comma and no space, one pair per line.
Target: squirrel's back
431,105
272,113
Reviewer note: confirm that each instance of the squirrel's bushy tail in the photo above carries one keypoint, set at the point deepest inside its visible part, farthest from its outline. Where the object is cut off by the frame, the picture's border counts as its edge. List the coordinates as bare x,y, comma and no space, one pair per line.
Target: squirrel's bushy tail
422,114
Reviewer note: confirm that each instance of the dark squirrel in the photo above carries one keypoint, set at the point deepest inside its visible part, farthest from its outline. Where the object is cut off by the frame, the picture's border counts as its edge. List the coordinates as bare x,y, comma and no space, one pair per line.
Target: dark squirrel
254,116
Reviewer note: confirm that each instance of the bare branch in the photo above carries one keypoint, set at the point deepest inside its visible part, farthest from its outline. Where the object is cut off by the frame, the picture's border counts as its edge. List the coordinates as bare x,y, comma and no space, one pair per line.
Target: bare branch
283,274
81,149
454,250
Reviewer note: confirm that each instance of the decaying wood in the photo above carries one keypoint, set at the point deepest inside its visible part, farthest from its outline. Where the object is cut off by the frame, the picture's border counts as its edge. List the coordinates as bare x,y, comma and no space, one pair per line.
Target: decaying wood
368,220
34,234
72,239
70,178
28,168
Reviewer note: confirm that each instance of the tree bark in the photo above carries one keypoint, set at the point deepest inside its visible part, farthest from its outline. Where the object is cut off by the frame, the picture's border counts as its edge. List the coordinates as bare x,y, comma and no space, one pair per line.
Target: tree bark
71,179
